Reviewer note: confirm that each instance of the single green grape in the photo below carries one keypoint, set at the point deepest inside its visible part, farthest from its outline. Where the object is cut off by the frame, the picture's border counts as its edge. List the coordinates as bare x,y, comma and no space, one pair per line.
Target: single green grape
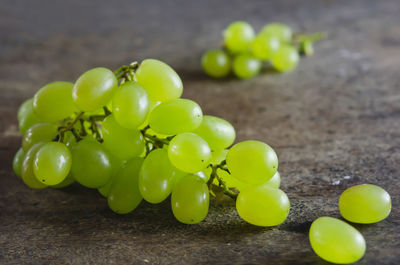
94,89
176,116
52,163
278,30
246,66
120,142
216,63
365,204
274,182
263,205
253,162
161,82
285,59
265,46
336,241
65,183
53,102
217,132
91,165
130,105
17,161
190,200
238,36
39,132
189,153
26,116
307,47
156,176
27,174
124,195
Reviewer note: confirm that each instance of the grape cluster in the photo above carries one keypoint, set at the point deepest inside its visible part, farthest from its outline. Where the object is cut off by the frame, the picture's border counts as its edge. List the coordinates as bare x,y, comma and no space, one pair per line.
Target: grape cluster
337,241
129,134
245,52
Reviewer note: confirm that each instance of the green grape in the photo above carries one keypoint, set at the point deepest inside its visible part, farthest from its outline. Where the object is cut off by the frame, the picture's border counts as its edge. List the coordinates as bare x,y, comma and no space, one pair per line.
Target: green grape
202,176
124,195
26,116
152,105
65,183
246,66
285,59
365,204
121,142
52,163
190,200
156,176
275,181
253,162
264,46
27,174
336,241
176,116
91,163
161,82
263,205
189,153
116,164
238,36
94,89
53,102
40,132
216,63
307,47
130,105
278,30
217,132
17,161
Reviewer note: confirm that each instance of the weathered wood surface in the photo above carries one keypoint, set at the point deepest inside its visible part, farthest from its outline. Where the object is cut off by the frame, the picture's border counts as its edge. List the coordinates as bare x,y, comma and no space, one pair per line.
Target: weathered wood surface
337,115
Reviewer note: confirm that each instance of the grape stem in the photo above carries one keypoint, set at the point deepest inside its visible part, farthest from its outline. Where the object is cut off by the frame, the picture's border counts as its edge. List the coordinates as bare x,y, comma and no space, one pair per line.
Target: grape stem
69,127
221,183
126,72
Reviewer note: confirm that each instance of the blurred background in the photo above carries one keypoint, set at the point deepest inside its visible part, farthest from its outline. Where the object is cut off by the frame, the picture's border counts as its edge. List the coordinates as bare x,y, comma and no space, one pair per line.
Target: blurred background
334,122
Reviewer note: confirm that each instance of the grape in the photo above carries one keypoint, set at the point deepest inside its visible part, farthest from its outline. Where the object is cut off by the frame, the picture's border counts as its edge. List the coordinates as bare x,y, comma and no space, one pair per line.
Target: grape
52,163
65,183
264,46
263,205
152,105
217,132
91,163
189,153
27,174
275,181
124,195
94,89
252,161
121,142
176,116
53,102
307,47
216,63
246,66
130,105
336,241
278,30
238,36
190,200
365,204
161,82
17,161
156,176
40,132
285,59
26,116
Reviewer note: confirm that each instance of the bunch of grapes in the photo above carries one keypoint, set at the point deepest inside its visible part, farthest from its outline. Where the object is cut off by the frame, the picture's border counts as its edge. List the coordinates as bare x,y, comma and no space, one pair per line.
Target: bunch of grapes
129,134
245,52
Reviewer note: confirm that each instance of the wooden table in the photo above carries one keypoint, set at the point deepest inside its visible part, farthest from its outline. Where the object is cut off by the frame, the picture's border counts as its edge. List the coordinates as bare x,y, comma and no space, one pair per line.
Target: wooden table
334,122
